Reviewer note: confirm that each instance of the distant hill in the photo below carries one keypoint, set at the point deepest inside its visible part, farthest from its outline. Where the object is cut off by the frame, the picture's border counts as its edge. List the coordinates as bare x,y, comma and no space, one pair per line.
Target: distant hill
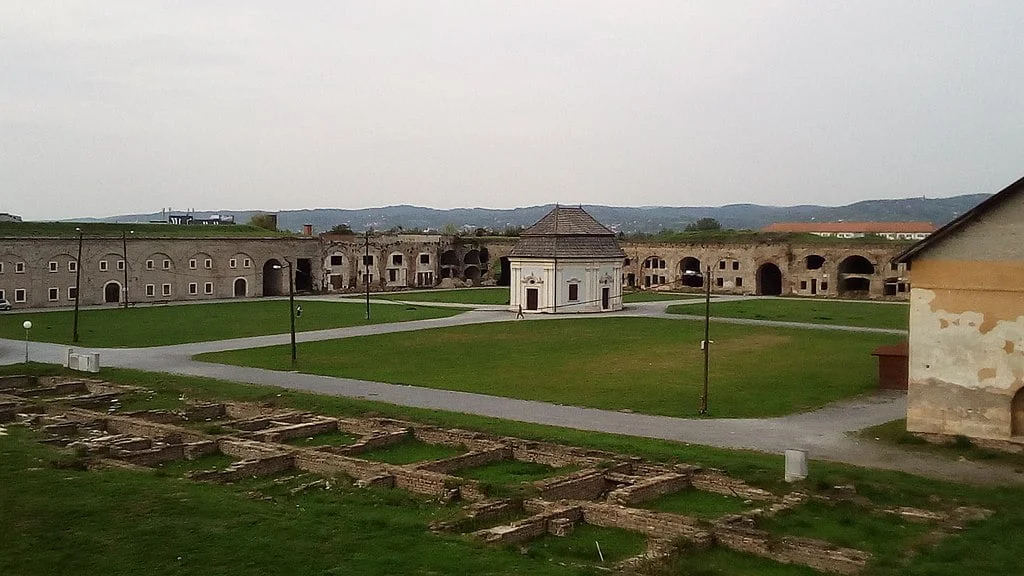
625,219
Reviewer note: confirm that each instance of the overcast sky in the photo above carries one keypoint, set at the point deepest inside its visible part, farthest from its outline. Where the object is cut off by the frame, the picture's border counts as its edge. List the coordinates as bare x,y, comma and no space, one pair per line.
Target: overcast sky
120,106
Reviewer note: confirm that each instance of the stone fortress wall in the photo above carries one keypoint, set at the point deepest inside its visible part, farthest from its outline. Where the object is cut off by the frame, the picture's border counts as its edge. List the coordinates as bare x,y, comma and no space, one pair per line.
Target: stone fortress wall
41,272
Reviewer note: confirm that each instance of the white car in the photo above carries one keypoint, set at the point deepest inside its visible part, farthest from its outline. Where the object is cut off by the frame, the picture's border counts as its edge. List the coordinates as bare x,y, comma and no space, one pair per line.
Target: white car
5,304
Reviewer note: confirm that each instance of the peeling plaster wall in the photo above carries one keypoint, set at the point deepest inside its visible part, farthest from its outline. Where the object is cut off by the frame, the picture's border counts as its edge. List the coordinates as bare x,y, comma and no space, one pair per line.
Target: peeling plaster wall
967,340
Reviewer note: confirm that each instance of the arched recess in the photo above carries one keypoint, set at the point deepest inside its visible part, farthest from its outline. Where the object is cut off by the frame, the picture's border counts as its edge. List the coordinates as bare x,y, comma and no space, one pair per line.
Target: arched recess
472,274
855,275
814,262
769,280
240,288
689,271
273,278
856,264
505,276
449,258
472,258
1017,414
112,292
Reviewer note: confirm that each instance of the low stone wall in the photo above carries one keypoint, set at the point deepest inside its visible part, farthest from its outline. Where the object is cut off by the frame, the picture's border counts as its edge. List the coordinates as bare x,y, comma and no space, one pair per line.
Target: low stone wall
131,426
587,484
533,527
649,522
328,464
158,416
196,450
205,412
151,456
473,441
249,468
247,449
372,443
301,430
719,483
816,554
17,381
649,489
468,460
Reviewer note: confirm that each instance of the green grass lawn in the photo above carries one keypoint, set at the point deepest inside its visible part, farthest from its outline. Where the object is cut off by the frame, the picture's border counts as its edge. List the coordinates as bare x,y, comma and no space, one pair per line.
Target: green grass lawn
337,438
582,546
495,295
895,433
865,314
513,472
177,324
699,504
118,522
652,296
114,522
646,365
411,450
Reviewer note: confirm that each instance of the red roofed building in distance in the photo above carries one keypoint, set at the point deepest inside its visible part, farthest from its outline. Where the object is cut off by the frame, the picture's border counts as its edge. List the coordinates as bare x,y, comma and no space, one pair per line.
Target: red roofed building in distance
889,230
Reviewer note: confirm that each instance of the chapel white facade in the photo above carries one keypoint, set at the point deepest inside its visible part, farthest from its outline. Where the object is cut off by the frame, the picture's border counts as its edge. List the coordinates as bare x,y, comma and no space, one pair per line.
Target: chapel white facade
566,263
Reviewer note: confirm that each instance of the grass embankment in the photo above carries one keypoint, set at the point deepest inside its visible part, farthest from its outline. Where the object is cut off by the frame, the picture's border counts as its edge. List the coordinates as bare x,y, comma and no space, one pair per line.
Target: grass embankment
499,296
653,366
493,296
895,433
91,230
177,324
863,314
61,521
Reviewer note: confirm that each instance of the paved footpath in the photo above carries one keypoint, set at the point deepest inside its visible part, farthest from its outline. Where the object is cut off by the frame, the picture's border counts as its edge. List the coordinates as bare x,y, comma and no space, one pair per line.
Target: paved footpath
823,433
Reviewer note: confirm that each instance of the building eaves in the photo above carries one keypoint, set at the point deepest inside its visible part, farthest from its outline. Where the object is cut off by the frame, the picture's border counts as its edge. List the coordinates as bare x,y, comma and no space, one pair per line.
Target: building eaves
941,234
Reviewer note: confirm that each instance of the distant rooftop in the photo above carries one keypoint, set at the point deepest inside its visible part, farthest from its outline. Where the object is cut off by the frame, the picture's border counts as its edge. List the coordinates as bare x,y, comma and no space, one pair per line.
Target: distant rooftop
567,232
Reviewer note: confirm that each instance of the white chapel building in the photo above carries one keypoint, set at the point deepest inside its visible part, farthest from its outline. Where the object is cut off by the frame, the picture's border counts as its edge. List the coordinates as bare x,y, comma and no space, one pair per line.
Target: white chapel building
565,263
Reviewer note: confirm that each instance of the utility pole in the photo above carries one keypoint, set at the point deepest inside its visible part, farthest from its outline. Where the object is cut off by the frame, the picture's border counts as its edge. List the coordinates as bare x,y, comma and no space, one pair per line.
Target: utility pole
706,344
78,284
366,271
291,305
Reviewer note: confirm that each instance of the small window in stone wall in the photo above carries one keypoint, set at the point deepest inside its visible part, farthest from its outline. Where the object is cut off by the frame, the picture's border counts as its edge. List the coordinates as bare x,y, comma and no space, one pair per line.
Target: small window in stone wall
191,264
824,286
72,293
424,258
574,292
337,260
20,295
193,288
167,264
120,265
103,265
720,282
246,263
150,290
53,266
721,264
739,282
803,284
208,288
208,264
392,275
233,263
54,294
396,259
150,265
19,267
166,289
735,265
72,266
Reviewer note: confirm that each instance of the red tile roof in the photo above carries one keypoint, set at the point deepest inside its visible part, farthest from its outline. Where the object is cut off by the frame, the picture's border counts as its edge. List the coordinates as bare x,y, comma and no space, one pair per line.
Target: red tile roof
852,227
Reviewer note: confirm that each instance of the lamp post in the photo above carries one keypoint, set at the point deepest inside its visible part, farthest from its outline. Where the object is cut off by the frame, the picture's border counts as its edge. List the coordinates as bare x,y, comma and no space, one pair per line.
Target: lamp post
366,271
78,283
706,344
291,305
124,257
27,325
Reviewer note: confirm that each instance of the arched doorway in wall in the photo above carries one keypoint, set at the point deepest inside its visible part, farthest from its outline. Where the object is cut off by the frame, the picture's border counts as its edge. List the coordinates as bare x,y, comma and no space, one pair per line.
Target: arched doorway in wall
273,275
505,275
855,275
241,288
472,274
1017,414
689,272
112,292
769,280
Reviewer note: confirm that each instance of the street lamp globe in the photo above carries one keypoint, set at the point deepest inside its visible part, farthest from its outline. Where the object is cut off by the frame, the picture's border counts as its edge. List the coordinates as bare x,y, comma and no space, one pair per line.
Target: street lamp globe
26,325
